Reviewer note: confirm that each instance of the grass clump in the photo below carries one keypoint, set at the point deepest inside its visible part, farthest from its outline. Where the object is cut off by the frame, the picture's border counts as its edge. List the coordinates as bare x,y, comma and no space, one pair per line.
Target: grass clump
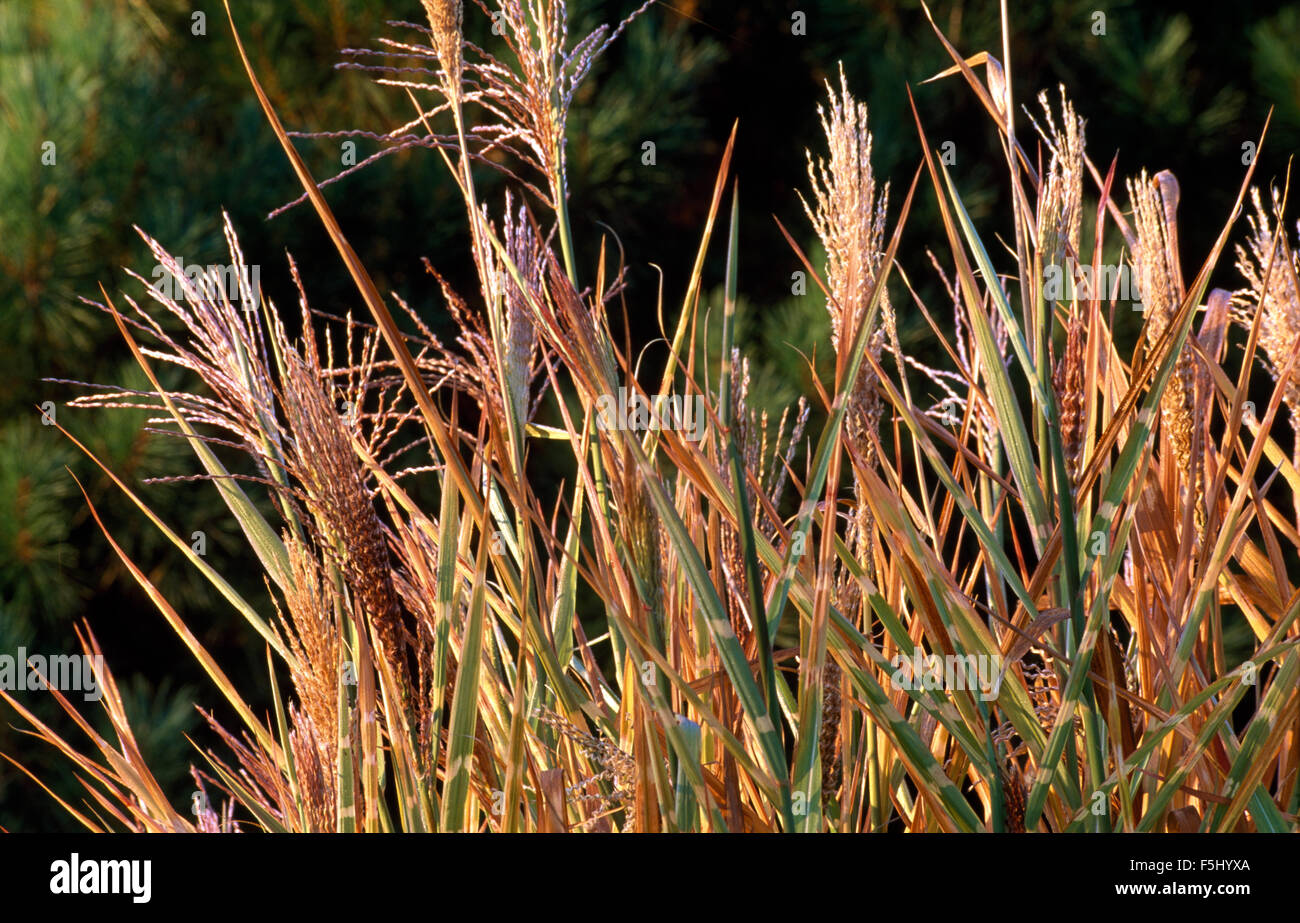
732,627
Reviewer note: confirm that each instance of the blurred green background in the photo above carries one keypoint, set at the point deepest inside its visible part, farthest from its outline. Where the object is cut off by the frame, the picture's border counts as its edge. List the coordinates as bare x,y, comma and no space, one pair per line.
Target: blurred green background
154,125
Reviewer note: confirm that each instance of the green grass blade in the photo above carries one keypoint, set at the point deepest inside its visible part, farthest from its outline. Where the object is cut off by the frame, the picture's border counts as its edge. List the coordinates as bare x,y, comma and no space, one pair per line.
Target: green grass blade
464,710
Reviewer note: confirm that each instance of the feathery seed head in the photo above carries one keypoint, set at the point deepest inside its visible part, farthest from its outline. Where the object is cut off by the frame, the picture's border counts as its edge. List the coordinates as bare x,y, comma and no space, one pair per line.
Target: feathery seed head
446,19
1060,211
850,220
1271,268
1155,203
323,461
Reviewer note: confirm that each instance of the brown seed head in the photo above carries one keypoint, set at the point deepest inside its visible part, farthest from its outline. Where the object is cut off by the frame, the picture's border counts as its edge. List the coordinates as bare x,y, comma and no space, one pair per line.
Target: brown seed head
445,19
1013,797
829,741
1068,383
331,476
1160,283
